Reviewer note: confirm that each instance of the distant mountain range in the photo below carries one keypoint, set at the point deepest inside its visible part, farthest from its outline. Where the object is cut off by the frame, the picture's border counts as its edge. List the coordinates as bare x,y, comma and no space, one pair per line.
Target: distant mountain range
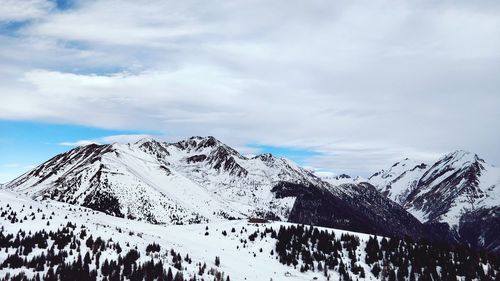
201,179
459,194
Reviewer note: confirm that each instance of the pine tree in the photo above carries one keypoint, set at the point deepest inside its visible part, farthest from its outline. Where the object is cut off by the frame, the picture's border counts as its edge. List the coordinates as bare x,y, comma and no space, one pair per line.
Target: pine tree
179,276
170,276
105,268
376,269
392,275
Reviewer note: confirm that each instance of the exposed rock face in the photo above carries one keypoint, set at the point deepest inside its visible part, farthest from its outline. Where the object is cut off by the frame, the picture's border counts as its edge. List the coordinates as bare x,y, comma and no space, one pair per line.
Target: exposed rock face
481,228
458,193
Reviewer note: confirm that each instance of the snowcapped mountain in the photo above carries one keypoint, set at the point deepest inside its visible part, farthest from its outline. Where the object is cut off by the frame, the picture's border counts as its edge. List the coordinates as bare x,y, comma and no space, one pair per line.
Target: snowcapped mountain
244,183
122,180
451,191
194,180
201,179
458,183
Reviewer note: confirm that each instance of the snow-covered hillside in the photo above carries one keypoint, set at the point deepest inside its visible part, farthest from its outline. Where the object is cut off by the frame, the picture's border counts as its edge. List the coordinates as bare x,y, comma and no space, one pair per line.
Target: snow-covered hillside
248,260
400,180
45,239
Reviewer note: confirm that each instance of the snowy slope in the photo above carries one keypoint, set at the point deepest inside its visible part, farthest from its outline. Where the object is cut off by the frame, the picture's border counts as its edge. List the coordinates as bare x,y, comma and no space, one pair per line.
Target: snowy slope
240,262
400,180
200,246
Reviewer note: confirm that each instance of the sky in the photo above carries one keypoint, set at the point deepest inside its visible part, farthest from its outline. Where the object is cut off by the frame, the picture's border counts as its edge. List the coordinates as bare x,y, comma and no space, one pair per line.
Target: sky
338,86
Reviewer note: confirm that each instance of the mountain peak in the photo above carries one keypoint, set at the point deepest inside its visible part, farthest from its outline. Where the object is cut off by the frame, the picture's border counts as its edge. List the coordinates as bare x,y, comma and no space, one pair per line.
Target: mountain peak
153,147
210,139
206,145
198,142
463,156
264,156
343,176
459,153
458,160
404,162
146,140
397,169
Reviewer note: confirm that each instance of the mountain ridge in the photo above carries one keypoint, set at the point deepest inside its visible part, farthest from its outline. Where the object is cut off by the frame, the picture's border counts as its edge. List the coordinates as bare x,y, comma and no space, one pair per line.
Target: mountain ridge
457,191
201,179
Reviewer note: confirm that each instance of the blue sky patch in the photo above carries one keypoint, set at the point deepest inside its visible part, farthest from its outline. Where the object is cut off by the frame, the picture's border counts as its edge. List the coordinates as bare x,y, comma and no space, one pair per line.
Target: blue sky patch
64,4
24,143
296,155
11,28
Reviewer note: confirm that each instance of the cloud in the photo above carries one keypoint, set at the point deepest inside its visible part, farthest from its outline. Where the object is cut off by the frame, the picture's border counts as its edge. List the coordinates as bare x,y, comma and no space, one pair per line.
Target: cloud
110,139
366,160
360,84
249,151
78,143
13,10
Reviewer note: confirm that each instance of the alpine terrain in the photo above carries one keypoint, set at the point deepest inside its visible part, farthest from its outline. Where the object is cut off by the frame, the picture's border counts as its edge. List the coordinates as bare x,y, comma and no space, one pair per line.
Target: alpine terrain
197,209
459,194
201,179
51,240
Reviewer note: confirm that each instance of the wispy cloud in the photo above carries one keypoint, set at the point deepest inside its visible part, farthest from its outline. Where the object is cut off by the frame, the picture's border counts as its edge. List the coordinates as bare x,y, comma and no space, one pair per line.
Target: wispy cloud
13,10
109,139
78,143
